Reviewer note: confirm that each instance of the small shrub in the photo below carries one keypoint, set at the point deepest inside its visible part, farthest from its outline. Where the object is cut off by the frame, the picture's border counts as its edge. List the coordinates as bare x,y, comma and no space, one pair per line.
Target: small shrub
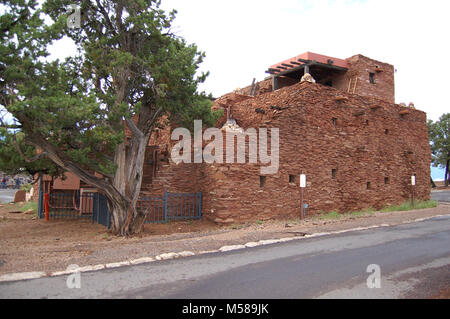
26,187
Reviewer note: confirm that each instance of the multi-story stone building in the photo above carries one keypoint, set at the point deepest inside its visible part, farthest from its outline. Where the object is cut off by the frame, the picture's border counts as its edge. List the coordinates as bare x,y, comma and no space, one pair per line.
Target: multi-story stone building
357,148
338,125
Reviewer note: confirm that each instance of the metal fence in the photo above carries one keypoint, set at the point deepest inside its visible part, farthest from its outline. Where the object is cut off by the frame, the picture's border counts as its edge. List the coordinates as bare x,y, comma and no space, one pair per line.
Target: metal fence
67,205
171,207
94,206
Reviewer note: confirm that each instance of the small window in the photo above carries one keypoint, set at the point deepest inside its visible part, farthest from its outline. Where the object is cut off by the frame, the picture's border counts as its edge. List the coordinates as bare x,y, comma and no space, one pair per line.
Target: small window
368,186
386,131
291,178
334,121
262,181
372,78
333,173
386,180
367,122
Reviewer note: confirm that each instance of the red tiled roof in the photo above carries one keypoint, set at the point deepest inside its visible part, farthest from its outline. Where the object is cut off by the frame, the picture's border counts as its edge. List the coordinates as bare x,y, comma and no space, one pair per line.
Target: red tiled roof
310,56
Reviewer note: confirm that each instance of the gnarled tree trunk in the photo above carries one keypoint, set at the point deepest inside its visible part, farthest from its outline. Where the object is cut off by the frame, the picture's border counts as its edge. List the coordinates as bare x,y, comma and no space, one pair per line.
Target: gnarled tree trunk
127,219
123,191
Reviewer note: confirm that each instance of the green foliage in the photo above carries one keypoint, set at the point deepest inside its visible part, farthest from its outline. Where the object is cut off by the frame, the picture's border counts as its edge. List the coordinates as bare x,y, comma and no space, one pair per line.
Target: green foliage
394,208
409,206
23,37
330,215
28,206
129,65
26,187
439,133
12,162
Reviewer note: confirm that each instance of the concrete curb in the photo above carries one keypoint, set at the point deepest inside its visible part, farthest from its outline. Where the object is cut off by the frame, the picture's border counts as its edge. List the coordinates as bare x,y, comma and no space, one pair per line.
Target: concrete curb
168,256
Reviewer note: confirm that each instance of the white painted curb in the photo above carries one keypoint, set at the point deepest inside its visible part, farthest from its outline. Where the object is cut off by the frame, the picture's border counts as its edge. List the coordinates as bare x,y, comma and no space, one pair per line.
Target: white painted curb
168,256
22,276
116,265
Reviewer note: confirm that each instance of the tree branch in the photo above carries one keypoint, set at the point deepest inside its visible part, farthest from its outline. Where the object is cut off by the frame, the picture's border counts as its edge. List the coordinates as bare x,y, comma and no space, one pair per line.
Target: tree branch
134,129
28,160
61,159
23,15
106,17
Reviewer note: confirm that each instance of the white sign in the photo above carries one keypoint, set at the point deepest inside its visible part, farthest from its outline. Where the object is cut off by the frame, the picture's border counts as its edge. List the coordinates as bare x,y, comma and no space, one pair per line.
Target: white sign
413,180
302,180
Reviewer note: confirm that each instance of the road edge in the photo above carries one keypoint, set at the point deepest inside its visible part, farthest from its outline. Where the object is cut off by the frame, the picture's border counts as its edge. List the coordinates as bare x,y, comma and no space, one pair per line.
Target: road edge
13,277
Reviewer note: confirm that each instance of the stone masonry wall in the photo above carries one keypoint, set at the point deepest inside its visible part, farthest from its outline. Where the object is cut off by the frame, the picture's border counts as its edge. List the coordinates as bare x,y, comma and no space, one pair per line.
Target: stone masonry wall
357,152
356,80
365,140
359,71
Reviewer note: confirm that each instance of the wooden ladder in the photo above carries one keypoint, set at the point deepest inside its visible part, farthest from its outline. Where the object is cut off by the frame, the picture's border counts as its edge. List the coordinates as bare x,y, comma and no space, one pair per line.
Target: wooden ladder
352,83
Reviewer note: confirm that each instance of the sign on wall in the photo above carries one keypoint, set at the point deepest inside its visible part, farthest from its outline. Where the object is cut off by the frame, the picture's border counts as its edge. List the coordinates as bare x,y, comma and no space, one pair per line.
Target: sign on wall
302,180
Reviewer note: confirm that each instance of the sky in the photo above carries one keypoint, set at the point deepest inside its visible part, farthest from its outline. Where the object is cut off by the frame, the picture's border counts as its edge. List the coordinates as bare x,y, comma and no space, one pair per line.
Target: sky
242,38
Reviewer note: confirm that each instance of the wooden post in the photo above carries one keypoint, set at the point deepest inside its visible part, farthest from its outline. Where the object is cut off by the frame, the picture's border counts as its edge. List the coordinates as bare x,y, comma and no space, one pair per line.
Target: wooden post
301,203
253,88
306,69
47,206
166,196
274,83
302,186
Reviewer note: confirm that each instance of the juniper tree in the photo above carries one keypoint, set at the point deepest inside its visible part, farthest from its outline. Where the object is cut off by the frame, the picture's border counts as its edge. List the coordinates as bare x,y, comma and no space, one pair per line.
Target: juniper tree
130,68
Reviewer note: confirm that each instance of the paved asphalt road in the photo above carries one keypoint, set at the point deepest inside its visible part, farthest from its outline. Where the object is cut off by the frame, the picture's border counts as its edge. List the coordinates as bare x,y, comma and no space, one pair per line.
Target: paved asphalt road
414,260
7,195
441,195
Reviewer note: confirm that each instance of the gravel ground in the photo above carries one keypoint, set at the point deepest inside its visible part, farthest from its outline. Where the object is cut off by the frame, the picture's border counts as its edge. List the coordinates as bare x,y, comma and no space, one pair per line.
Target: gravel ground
437,279
27,244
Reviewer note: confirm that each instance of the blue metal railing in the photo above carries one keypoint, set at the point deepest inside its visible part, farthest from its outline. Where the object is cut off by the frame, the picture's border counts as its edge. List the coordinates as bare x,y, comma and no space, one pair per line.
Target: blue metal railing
171,207
94,206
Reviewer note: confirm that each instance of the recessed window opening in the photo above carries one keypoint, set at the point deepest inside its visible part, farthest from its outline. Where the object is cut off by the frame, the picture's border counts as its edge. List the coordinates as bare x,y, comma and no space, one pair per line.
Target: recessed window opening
291,178
372,78
386,180
368,185
333,173
334,121
386,131
262,181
